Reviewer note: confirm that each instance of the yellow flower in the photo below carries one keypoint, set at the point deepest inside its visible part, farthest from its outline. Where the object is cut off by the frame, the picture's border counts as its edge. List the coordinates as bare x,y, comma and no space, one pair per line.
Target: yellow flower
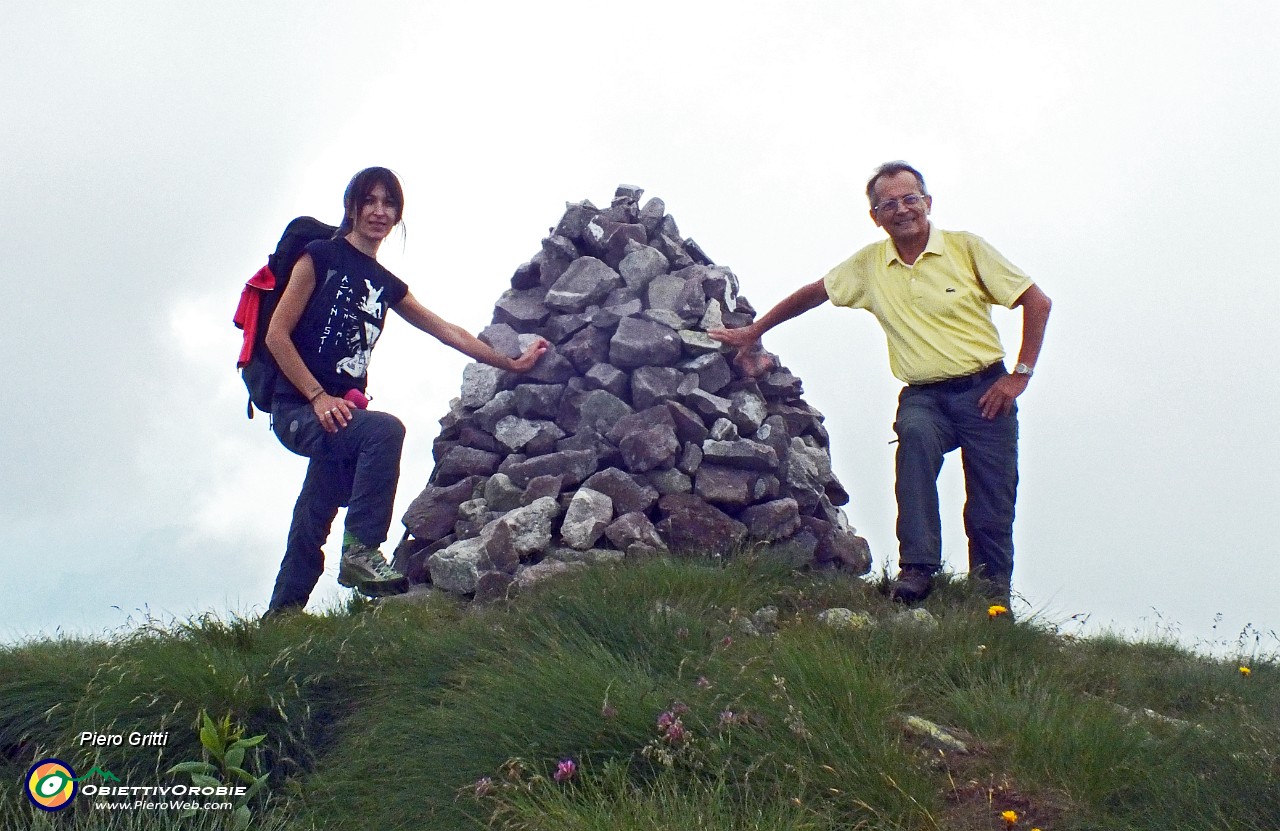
1245,671
1008,816
994,612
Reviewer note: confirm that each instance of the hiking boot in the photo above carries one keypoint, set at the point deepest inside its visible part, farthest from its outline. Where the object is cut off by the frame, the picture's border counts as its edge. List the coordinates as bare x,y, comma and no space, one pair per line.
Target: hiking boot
364,569
997,591
912,584
281,613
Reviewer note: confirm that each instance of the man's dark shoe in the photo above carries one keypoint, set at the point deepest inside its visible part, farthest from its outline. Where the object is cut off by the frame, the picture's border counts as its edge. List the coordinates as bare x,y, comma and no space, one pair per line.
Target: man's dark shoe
997,591
912,584
281,613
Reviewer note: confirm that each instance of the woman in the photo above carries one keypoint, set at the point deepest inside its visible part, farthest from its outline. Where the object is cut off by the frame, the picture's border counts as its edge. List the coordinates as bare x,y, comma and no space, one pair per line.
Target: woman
321,335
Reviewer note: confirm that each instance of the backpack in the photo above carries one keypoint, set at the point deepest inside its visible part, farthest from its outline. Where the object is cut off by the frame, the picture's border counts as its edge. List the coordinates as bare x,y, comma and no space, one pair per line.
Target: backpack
258,302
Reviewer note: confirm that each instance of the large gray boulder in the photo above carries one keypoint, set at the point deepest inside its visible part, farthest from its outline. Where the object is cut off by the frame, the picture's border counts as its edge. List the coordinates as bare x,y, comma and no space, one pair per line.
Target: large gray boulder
690,524
586,518
585,282
457,568
639,342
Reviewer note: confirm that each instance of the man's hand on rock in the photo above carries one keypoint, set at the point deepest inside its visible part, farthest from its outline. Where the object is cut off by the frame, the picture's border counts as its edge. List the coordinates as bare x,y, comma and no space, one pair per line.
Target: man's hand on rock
751,357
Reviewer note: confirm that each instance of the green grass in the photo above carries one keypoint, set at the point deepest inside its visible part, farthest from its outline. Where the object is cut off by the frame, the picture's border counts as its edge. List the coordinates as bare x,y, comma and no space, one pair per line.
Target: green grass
676,711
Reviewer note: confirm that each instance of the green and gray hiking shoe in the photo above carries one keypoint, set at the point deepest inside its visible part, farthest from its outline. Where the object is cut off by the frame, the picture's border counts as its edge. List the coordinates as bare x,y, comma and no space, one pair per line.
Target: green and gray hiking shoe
364,569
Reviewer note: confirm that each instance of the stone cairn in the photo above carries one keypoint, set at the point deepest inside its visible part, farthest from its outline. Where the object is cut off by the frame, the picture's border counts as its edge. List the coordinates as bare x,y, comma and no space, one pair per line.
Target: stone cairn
634,435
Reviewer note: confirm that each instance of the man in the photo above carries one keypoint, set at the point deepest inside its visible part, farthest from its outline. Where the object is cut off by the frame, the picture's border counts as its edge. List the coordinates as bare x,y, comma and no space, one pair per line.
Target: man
932,291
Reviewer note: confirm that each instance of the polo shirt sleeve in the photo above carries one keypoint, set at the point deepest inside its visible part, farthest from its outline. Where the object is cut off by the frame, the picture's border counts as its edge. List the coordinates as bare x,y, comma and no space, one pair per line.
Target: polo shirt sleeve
1003,280
846,284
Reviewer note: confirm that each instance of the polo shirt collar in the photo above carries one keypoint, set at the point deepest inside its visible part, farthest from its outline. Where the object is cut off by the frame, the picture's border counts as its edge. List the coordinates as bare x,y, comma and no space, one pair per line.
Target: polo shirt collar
935,245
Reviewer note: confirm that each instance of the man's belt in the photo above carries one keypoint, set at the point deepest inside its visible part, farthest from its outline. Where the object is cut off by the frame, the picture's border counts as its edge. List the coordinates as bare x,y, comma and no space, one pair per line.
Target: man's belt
964,382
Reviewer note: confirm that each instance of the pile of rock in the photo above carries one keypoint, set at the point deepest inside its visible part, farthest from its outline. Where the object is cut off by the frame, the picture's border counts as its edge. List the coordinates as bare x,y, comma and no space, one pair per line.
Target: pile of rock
635,433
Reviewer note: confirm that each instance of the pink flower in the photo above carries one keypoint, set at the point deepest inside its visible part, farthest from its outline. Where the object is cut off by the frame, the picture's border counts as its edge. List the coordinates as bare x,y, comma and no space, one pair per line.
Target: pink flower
608,711
703,682
483,787
675,732
726,641
679,708
565,770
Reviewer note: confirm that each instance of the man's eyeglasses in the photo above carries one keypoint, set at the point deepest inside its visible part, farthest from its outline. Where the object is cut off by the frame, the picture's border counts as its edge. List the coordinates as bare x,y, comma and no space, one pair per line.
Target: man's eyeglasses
911,200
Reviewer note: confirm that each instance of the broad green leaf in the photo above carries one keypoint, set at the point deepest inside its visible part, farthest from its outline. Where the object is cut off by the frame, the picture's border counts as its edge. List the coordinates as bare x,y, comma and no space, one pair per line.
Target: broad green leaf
251,742
253,790
192,767
241,774
212,742
258,784
205,781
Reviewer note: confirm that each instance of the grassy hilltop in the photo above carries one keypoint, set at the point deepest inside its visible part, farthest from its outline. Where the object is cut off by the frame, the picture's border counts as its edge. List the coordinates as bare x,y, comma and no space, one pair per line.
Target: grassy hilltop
659,695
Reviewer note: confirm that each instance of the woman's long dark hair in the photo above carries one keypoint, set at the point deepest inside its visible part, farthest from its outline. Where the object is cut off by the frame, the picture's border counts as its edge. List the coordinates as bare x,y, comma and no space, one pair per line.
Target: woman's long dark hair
359,188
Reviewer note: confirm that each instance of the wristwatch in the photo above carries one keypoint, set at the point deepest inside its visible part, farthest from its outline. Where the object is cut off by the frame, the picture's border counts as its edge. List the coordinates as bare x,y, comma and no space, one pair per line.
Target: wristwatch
1023,369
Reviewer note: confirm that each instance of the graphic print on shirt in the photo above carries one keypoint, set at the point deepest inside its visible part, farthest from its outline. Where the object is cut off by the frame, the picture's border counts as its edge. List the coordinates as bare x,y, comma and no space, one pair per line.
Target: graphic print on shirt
353,326
370,303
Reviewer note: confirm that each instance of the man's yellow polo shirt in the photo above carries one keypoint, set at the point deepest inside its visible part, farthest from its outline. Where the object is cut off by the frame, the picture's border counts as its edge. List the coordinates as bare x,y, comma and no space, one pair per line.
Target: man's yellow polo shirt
936,314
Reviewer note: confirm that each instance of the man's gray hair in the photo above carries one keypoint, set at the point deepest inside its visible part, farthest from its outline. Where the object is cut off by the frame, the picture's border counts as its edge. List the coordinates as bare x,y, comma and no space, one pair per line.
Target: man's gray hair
892,169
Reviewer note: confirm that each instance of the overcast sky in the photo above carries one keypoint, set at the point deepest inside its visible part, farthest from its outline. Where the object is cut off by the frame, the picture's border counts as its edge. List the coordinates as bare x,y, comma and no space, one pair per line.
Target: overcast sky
1123,154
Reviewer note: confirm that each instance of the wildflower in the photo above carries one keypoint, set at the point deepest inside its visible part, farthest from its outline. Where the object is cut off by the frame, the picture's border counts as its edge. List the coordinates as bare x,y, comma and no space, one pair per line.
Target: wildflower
726,641
670,726
994,612
483,787
728,718
565,770
703,682
1010,817
679,708
608,711
1245,671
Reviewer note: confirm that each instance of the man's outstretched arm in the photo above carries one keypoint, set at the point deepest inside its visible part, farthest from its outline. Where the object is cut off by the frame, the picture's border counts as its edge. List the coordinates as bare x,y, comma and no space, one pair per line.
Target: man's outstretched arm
746,339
